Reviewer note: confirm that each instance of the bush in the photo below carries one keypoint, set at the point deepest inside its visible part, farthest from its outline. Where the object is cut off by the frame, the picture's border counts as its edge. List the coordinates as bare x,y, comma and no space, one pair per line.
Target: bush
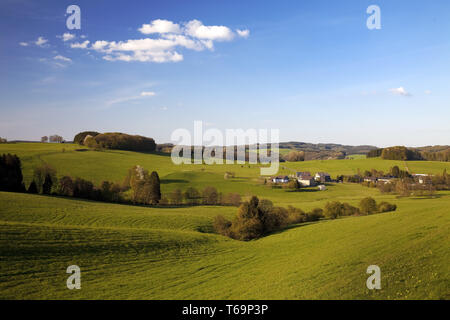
83,188
315,215
368,206
348,210
176,197
232,199
222,225
333,210
32,188
386,207
65,186
210,196
192,196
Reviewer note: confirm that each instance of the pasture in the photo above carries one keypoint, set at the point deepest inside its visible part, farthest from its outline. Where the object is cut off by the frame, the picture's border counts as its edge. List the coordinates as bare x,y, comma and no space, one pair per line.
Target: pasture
141,252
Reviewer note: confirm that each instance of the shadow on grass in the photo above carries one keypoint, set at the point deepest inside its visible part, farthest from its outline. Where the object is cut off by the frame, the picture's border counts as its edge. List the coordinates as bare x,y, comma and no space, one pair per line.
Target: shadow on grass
169,181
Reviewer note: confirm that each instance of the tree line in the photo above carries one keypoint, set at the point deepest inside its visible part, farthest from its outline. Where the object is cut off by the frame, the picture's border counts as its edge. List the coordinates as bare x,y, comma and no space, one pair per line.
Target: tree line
139,187
115,140
256,218
405,154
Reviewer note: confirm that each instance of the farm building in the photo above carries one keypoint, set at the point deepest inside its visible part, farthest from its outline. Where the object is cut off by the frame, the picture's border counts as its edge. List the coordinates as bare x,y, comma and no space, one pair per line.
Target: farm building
280,179
322,177
305,179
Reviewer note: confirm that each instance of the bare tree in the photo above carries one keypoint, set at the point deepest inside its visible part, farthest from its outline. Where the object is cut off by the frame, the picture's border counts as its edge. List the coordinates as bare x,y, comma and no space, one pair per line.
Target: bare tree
44,139
56,138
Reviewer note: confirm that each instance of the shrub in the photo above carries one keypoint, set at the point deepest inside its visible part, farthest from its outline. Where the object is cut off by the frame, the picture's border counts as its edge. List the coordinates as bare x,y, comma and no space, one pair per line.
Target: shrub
222,225
32,188
192,196
368,206
348,210
65,186
232,199
176,197
83,188
333,209
386,207
210,196
315,215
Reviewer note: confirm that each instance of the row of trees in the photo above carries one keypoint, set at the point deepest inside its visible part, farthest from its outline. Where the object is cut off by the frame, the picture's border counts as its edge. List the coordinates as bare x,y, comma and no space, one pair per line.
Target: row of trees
144,187
115,140
437,153
256,218
336,209
53,138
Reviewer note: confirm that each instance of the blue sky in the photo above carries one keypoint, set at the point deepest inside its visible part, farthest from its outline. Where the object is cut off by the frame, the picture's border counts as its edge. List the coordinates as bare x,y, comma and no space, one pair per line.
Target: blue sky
311,69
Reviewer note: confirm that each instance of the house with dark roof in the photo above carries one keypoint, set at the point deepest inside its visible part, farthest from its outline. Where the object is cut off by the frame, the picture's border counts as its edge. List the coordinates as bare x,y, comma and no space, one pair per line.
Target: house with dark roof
322,177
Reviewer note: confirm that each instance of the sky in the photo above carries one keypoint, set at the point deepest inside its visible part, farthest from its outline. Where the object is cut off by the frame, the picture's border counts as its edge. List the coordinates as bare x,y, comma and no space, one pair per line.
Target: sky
312,69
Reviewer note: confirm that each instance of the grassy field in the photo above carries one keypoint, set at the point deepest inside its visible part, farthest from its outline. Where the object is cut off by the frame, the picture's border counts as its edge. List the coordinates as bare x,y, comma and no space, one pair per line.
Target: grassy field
138,252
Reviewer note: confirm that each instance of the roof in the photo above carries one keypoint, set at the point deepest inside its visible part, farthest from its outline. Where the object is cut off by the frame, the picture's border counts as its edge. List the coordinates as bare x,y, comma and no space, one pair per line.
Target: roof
304,175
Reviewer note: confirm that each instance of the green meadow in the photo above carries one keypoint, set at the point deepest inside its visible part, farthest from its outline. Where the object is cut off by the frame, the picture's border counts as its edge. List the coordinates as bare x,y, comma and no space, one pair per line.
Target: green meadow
143,252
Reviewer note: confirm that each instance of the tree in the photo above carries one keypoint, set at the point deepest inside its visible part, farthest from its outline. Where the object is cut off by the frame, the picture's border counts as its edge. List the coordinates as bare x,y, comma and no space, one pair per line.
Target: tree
32,188
368,205
56,138
90,142
192,196
3,140
210,195
44,139
176,197
79,138
395,171
155,188
47,185
40,172
11,178
66,186
83,188
333,210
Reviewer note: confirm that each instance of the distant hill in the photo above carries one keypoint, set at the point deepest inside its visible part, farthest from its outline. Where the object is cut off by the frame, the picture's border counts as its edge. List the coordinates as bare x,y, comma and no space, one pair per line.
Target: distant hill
314,147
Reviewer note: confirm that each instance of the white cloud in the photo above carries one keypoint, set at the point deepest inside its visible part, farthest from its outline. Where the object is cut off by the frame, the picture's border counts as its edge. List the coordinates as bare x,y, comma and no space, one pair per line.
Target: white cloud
400,91
78,45
243,33
196,29
160,26
62,58
23,44
41,41
147,94
427,91
67,36
192,35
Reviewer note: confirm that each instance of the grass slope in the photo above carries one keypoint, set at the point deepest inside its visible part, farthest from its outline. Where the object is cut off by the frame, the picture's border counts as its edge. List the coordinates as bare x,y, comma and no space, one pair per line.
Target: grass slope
128,252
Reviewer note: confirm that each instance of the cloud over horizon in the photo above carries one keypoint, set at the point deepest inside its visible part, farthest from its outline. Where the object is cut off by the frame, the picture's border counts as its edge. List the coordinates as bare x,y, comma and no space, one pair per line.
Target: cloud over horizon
167,38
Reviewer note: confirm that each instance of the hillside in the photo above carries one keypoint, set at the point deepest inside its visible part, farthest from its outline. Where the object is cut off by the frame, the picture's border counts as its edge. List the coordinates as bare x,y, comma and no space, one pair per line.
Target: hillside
144,253
139,252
